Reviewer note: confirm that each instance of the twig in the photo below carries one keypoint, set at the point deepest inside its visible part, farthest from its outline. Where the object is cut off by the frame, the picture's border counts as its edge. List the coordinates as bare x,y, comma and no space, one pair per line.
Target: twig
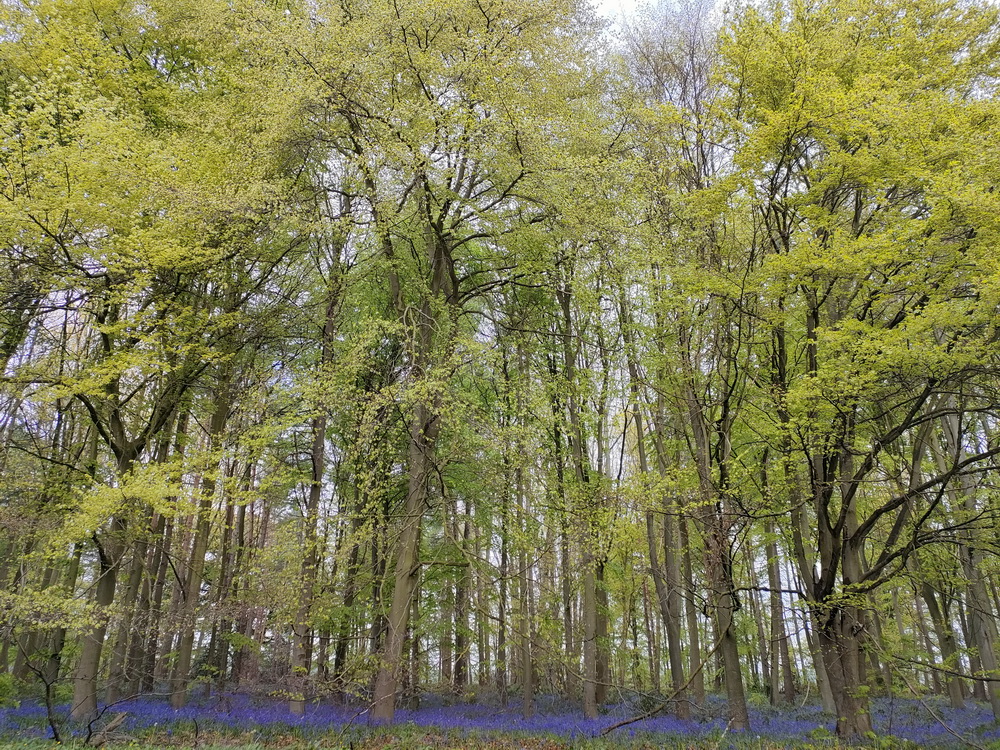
944,670
50,713
894,658
101,737
938,719
102,711
670,698
806,696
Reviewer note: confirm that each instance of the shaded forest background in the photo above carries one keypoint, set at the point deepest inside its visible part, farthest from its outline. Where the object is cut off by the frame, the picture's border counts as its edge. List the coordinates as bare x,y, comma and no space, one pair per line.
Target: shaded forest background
352,349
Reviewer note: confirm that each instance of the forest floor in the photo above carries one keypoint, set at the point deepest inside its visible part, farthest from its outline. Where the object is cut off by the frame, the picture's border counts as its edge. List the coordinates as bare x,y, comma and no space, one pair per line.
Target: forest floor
240,722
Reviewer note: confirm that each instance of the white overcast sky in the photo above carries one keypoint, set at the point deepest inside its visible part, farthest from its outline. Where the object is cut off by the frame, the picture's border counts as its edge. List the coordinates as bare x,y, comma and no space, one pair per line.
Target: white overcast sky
613,9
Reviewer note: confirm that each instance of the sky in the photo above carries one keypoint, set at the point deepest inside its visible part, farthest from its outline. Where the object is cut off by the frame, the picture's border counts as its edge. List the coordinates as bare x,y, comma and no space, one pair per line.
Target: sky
613,9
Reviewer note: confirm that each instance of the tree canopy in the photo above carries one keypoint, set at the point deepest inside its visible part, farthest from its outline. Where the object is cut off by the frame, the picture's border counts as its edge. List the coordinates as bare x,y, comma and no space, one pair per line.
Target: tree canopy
356,349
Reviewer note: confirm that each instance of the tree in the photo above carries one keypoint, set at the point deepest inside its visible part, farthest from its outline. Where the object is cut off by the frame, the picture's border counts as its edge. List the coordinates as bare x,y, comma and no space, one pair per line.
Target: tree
450,167
850,147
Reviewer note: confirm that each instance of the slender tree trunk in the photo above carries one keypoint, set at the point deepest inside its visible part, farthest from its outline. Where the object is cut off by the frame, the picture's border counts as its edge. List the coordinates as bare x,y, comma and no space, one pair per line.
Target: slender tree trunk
301,634
432,339
691,616
570,681
713,518
666,579
161,558
484,669
191,591
981,619
975,665
925,641
54,661
118,680
504,572
946,642
447,641
136,657
586,503
350,593
301,639
225,588
725,607
982,624
524,616
462,532
379,561
781,666
652,641
22,637
589,636
766,647
668,607
110,552
423,432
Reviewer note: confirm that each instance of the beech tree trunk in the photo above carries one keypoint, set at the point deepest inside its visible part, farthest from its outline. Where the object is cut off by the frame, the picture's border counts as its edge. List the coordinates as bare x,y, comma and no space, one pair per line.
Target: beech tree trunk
462,593
301,634
92,641
840,647
714,519
691,616
350,594
666,580
423,432
118,679
191,591
432,337
782,676
111,547
524,607
946,643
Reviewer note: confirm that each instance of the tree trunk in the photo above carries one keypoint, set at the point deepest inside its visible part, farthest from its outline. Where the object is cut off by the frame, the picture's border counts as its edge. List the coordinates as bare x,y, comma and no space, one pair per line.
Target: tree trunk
350,593
570,681
432,339
118,680
766,647
301,635
781,666
981,622
666,580
191,591
572,660
589,635
423,432
725,605
713,517
462,646
446,643
484,669
603,646
504,572
525,627
54,661
652,641
946,642
110,552
839,644
691,616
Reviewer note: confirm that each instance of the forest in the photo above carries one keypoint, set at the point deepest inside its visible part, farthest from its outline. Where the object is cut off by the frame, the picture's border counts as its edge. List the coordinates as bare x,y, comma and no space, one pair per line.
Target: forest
359,351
